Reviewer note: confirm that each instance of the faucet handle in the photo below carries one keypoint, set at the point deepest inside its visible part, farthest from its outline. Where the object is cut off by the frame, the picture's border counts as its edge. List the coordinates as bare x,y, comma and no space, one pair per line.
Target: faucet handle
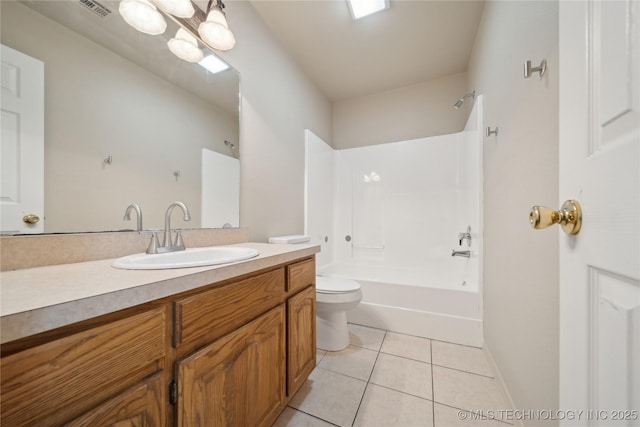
178,242
153,244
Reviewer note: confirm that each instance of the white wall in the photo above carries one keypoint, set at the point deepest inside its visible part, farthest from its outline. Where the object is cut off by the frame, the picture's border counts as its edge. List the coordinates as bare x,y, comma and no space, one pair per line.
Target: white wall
520,170
416,111
93,101
278,103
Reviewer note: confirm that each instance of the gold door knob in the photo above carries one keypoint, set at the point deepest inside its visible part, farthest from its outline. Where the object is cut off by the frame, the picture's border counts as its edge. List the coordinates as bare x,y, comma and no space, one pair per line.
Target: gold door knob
31,218
569,217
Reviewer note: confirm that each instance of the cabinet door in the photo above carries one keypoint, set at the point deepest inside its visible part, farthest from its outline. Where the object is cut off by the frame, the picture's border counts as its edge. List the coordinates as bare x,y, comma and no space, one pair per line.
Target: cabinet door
53,383
301,315
140,406
238,380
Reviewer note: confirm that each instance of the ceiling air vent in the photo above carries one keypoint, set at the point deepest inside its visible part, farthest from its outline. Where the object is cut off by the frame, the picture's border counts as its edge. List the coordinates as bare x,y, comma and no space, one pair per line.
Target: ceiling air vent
96,8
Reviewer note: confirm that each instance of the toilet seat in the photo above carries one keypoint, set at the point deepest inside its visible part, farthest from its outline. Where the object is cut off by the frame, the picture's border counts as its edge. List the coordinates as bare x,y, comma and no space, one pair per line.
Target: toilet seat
335,285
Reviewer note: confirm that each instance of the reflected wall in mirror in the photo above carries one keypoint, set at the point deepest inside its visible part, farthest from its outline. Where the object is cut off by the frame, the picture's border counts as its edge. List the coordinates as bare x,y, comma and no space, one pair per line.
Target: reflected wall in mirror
125,120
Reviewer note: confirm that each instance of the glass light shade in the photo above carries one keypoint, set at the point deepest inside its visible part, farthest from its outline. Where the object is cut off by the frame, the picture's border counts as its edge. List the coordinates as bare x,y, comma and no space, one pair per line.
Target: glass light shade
179,8
185,46
215,30
143,16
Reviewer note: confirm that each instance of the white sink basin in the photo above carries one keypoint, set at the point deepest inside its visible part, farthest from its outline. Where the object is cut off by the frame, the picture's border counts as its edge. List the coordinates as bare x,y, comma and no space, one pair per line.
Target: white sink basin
191,257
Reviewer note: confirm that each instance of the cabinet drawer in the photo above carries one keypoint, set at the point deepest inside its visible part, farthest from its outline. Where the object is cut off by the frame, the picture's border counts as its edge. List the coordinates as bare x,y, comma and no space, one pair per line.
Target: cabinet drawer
55,382
301,274
206,316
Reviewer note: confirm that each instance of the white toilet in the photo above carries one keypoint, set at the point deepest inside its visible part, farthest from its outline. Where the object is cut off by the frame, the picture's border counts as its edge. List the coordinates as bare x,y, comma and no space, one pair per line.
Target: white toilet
334,296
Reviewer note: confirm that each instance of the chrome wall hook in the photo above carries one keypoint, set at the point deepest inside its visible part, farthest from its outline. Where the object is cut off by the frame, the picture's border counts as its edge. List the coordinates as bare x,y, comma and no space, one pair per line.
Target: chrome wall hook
108,160
492,131
528,70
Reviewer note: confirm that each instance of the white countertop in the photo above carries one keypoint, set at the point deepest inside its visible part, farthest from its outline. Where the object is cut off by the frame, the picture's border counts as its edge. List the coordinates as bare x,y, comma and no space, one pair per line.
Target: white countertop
39,299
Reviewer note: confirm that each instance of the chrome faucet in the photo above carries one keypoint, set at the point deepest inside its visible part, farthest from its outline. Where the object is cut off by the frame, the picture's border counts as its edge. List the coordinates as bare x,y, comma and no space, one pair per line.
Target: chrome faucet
167,244
466,254
465,236
127,215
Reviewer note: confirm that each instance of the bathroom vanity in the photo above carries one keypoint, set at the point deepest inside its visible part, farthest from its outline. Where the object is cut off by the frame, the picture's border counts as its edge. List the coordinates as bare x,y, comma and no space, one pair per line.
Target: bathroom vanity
230,348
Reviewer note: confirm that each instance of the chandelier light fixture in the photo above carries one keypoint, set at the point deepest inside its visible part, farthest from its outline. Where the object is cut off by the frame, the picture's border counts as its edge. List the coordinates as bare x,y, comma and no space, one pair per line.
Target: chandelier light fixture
210,29
143,16
179,8
215,30
185,46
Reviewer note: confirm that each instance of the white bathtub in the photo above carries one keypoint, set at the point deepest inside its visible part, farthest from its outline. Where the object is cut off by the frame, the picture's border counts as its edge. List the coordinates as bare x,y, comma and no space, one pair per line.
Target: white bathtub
440,303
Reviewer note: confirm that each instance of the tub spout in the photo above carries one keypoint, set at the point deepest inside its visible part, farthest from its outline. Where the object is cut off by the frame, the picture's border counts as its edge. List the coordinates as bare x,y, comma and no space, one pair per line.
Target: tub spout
466,254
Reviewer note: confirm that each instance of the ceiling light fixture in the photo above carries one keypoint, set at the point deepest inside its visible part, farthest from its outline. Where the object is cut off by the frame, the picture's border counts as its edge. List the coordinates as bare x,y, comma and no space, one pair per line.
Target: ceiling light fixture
362,8
210,29
143,16
179,8
215,30
185,46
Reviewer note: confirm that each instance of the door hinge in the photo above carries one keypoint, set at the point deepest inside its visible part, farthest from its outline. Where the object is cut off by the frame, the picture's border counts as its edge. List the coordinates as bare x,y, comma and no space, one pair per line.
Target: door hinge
173,392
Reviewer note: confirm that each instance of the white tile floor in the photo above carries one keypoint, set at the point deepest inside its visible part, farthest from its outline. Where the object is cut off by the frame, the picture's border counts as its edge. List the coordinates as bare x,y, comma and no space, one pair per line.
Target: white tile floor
388,379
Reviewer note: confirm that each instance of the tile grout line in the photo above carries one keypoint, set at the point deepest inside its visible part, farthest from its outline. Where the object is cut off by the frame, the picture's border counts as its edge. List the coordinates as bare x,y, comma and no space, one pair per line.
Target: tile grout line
314,416
368,380
433,391
418,336
464,372
436,364
468,410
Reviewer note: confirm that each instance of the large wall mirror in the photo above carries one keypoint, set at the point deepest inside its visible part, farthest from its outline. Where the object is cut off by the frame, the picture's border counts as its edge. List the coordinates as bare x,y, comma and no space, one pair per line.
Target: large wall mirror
125,121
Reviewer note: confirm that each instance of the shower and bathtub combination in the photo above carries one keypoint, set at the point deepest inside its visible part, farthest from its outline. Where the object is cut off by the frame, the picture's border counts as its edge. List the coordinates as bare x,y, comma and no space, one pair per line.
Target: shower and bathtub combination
391,216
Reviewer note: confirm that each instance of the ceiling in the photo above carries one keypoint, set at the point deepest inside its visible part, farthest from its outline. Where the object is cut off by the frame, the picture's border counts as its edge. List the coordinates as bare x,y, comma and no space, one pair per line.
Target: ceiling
411,42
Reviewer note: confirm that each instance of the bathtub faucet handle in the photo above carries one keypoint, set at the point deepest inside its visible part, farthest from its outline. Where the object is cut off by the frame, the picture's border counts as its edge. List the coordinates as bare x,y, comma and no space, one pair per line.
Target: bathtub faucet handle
465,236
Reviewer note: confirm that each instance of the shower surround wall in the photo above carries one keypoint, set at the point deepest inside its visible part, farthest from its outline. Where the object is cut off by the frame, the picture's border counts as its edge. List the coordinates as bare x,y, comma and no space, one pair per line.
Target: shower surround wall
397,211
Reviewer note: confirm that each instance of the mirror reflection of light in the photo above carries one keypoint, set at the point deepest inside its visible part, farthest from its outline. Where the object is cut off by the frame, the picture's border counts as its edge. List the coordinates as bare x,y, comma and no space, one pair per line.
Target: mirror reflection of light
213,64
362,8
372,177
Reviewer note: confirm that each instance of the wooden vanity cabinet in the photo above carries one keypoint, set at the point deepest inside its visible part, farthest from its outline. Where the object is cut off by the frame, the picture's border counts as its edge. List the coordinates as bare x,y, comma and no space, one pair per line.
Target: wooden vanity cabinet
301,323
228,354
239,380
102,373
301,338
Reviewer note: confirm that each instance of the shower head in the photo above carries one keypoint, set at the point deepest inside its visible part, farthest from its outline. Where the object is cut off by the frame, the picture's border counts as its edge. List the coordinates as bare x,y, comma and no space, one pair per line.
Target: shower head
232,146
460,101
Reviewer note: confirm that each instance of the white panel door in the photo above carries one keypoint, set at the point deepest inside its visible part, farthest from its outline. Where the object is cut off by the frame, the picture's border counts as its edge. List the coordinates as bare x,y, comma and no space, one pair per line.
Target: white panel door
22,142
600,167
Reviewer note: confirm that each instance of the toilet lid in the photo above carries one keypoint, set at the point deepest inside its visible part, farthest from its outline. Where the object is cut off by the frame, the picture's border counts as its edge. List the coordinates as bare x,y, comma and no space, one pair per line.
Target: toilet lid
335,284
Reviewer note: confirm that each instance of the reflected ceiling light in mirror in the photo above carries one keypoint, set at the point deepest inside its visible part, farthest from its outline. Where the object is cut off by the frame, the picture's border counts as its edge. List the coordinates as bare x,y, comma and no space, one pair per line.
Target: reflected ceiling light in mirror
185,46
179,8
213,64
143,16
362,8
215,30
